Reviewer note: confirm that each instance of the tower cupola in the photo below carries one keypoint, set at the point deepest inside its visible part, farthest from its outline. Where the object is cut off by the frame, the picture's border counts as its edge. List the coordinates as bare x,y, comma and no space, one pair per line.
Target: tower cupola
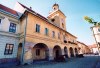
55,6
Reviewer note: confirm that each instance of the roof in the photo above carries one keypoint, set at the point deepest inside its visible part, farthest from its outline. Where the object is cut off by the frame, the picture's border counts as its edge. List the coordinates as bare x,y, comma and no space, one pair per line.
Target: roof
81,43
93,46
2,7
42,17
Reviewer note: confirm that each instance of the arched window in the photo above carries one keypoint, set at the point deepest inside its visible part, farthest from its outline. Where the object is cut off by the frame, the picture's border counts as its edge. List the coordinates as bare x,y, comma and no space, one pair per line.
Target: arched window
63,25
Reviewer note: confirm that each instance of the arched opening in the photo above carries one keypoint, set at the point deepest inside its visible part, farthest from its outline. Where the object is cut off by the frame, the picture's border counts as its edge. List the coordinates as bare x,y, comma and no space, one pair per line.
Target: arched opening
66,52
57,51
40,52
71,52
76,52
62,25
19,51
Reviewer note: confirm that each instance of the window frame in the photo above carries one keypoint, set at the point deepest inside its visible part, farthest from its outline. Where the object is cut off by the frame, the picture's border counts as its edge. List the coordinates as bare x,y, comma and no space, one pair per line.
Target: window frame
8,51
58,35
12,27
99,30
37,29
53,34
46,31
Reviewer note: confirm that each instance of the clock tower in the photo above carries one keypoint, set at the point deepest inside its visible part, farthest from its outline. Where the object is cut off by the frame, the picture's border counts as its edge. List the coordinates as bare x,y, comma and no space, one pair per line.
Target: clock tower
57,17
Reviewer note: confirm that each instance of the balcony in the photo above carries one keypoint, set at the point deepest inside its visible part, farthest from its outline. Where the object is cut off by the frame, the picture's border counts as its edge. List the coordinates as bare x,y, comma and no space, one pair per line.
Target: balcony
72,42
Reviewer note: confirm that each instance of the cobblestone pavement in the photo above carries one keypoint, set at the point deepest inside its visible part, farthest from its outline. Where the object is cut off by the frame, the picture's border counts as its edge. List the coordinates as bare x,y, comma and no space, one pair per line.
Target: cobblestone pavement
86,62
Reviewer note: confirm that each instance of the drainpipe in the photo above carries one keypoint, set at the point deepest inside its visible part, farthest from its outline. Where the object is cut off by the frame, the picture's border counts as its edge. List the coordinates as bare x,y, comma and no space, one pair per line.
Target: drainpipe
23,47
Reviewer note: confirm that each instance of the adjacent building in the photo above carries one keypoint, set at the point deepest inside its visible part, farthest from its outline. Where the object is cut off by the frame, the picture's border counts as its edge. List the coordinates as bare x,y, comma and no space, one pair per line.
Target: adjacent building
94,49
83,48
96,35
29,36
9,34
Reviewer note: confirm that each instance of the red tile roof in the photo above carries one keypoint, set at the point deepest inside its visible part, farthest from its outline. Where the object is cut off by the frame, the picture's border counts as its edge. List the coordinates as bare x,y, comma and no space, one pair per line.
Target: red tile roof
93,46
2,7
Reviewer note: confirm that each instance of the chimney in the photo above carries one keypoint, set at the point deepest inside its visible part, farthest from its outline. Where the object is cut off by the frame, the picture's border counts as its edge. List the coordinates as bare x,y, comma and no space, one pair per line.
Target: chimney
31,8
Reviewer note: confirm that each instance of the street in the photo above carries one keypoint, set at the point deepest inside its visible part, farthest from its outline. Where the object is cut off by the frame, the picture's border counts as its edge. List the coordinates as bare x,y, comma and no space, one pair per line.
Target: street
86,62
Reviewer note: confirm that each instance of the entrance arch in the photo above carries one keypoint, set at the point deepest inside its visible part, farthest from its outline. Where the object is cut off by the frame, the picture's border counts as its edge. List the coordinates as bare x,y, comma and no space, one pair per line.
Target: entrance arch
71,52
76,52
40,52
66,51
57,51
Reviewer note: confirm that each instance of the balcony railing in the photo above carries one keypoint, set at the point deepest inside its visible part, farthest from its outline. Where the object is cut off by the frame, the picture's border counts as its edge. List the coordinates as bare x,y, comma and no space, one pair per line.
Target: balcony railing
72,42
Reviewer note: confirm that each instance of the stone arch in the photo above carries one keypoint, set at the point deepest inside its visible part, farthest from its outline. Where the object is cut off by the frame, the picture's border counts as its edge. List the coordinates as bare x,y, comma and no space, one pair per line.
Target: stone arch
40,51
71,52
66,52
57,51
76,52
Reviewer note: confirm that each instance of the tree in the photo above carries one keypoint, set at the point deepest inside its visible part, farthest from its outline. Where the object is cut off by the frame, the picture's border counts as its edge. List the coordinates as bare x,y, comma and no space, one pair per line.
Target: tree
91,21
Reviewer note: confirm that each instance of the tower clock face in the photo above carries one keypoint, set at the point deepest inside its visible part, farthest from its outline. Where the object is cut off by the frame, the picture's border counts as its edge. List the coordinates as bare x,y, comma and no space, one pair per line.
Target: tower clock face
98,29
62,20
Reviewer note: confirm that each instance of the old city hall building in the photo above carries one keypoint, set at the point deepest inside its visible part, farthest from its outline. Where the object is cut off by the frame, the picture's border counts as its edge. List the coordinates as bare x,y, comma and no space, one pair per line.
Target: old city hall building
35,37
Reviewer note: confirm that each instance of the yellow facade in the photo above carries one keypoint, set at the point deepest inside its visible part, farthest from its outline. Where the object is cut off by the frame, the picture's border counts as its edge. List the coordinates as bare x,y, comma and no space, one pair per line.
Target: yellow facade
38,45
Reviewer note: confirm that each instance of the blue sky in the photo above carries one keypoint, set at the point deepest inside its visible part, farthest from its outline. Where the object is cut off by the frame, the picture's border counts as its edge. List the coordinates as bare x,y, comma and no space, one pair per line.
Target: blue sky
75,10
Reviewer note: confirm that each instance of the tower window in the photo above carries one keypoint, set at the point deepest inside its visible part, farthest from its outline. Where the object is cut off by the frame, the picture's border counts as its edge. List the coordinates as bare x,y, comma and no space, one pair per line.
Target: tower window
63,25
52,20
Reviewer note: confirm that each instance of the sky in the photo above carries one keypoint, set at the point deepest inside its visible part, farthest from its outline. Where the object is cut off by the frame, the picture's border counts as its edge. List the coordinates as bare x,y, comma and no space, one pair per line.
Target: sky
75,10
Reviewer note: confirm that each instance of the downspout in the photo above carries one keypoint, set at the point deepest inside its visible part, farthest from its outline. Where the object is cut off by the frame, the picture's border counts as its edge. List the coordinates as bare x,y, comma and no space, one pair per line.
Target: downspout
23,48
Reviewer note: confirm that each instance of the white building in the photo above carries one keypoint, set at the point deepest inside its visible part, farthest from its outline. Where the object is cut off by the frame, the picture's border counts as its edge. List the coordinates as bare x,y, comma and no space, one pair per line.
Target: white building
9,30
96,34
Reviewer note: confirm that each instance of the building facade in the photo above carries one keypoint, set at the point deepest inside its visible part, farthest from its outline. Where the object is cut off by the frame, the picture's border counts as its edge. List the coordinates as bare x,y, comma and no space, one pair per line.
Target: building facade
83,48
29,36
9,34
96,35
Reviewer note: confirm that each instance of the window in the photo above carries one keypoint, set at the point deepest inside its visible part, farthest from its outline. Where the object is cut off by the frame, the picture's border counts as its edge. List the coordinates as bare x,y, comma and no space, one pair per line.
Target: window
37,52
53,34
37,28
52,20
63,25
58,35
64,37
12,27
0,21
9,49
46,31
99,29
